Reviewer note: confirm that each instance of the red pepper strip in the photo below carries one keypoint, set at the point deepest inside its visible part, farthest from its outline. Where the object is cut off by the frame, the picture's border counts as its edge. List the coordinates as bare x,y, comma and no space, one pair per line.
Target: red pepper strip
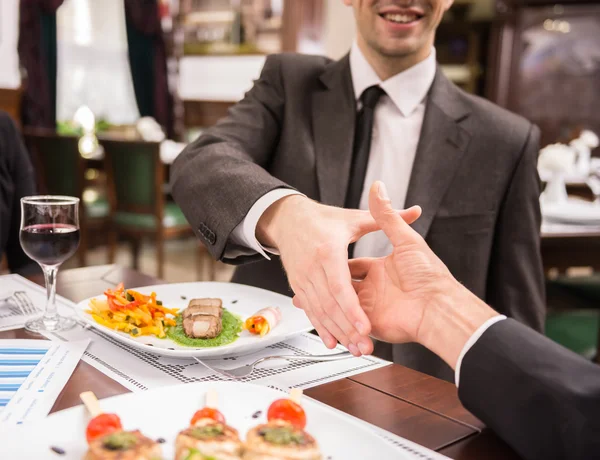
132,305
111,304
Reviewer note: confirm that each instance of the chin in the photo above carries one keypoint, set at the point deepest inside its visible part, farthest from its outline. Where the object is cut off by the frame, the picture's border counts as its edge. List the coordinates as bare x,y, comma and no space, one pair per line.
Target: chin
401,49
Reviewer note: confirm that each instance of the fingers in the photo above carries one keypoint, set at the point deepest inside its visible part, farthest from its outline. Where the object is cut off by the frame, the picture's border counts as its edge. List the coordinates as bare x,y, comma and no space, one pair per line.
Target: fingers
389,220
360,267
320,308
365,223
345,311
300,300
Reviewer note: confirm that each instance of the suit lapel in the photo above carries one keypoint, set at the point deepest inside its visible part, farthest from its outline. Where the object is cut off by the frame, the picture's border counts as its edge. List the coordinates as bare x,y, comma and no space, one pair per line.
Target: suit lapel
333,120
441,146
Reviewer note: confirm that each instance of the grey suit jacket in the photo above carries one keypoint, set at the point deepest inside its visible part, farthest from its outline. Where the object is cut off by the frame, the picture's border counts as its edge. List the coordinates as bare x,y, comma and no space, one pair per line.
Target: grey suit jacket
474,175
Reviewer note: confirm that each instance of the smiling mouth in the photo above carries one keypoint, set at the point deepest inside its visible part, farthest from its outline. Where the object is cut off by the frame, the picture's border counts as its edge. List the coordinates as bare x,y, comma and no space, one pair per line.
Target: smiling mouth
398,18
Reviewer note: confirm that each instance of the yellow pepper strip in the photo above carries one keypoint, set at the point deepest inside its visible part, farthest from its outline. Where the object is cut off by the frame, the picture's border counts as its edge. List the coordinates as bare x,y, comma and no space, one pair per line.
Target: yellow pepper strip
119,316
167,311
102,321
170,322
121,300
150,330
161,330
144,315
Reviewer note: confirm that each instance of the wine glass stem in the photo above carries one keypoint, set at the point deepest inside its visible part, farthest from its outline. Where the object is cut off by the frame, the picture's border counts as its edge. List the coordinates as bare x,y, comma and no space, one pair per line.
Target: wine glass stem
50,314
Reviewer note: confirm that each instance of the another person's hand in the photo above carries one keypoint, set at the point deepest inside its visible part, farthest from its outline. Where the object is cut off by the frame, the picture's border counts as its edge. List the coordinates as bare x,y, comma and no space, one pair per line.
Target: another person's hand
410,295
313,242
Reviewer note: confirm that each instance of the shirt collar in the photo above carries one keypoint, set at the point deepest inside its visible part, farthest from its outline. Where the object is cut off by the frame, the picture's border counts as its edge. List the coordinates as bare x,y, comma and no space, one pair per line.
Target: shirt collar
406,89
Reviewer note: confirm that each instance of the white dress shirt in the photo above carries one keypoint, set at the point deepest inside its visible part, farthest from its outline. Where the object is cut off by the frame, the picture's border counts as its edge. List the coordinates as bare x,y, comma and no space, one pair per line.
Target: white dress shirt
396,131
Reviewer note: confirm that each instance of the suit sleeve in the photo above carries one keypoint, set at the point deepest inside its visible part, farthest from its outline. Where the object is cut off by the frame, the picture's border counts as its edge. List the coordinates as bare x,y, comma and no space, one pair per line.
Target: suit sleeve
539,397
218,178
22,181
516,278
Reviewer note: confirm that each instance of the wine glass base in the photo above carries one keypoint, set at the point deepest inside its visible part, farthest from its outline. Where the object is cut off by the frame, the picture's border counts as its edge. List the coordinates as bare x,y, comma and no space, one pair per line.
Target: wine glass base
59,323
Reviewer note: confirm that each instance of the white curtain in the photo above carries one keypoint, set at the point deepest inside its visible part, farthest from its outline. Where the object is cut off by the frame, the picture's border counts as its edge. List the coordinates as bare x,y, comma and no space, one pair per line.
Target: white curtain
9,32
92,63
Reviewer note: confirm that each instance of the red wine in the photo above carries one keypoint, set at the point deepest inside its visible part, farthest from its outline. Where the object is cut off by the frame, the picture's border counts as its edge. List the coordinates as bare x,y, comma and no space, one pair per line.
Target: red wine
50,244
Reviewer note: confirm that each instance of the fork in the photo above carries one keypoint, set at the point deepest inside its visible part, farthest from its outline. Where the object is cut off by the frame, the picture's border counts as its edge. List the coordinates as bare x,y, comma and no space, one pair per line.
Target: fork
25,303
245,371
22,301
27,308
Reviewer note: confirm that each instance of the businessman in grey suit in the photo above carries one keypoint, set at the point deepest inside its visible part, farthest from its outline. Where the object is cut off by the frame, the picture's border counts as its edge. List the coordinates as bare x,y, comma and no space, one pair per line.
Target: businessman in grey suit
281,180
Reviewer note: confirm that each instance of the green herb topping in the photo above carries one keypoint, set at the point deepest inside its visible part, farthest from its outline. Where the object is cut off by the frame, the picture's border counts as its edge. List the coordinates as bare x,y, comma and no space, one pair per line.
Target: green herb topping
207,431
119,441
283,435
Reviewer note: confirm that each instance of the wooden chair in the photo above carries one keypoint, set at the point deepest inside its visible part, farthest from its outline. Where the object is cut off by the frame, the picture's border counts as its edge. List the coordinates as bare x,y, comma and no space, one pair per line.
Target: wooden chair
61,171
136,177
10,102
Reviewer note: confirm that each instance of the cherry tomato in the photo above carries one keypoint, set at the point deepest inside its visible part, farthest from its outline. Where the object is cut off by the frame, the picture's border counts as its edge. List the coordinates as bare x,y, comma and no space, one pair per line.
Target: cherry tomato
208,412
289,411
101,425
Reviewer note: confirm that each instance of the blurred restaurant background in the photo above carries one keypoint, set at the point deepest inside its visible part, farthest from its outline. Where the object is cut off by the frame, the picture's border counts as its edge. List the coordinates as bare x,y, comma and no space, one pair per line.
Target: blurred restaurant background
108,92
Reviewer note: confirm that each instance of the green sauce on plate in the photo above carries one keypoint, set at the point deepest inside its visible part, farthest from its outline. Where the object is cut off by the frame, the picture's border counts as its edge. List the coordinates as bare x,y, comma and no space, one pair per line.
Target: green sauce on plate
232,326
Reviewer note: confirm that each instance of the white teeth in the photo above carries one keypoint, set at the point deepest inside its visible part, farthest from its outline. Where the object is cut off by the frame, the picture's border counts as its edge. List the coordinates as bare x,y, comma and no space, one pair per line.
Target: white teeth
400,18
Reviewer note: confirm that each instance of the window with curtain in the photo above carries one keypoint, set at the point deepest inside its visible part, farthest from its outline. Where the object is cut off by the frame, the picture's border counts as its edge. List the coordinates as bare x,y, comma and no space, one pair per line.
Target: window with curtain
92,63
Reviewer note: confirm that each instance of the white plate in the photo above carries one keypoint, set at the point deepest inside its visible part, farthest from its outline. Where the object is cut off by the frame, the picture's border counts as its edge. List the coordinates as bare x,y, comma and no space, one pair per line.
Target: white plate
164,412
237,298
573,211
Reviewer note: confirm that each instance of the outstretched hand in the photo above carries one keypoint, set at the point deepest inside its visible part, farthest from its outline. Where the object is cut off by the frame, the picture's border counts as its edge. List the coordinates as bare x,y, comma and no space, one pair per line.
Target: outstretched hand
313,240
396,290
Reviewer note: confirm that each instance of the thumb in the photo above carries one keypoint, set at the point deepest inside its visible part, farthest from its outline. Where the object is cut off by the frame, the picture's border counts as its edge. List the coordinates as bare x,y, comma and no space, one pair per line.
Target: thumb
365,223
389,220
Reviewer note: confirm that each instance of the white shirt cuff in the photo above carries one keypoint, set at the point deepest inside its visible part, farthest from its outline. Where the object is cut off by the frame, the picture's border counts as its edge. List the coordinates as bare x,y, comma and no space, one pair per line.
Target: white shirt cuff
245,233
472,340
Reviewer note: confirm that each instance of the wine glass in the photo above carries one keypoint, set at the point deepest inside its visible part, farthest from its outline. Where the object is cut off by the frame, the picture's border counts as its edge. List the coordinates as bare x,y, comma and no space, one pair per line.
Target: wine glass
593,182
49,235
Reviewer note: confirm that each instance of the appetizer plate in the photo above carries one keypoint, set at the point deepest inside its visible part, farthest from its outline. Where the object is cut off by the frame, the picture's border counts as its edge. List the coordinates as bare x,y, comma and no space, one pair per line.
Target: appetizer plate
239,299
162,413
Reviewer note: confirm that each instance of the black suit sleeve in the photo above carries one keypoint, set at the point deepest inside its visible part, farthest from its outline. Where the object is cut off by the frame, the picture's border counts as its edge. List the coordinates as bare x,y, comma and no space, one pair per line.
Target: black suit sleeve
516,277
18,180
218,178
539,397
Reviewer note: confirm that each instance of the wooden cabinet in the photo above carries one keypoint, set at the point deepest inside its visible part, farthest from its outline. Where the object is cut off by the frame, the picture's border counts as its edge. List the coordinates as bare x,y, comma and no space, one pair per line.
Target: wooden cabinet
546,65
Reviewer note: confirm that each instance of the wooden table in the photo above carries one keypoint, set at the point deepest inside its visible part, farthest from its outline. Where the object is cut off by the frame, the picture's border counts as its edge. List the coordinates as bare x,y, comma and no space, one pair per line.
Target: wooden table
565,246
415,406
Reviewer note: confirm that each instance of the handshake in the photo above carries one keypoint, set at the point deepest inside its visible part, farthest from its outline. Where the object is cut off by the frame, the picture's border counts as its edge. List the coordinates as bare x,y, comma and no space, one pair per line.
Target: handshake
408,296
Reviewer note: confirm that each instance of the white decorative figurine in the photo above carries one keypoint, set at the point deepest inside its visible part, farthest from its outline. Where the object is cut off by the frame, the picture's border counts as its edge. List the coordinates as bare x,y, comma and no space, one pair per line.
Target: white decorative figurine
558,159
583,145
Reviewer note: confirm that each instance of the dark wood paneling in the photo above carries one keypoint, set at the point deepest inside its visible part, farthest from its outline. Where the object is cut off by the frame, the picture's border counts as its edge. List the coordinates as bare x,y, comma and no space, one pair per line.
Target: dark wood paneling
557,87
204,113
301,20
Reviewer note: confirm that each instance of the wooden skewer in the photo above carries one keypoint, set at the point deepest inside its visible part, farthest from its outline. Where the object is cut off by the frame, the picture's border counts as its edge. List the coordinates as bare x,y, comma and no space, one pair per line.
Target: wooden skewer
296,395
91,403
212,399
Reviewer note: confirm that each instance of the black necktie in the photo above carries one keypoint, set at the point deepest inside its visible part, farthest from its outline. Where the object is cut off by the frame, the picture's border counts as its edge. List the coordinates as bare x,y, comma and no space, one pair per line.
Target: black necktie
362,146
